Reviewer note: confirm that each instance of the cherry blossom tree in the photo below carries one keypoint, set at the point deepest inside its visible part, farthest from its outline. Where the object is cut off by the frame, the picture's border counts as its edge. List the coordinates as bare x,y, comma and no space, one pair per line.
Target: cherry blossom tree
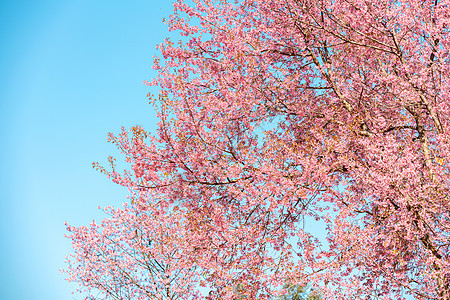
273,114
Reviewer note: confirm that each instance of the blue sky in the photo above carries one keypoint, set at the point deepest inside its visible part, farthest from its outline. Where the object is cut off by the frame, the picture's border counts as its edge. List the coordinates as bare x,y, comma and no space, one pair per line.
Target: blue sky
70,72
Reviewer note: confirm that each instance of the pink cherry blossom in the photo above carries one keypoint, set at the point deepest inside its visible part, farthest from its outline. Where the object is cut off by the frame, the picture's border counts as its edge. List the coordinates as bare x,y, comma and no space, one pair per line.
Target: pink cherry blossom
276,117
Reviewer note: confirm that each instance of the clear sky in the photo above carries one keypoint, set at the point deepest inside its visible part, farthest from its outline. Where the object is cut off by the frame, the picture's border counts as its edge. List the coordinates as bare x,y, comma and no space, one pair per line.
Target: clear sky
70,72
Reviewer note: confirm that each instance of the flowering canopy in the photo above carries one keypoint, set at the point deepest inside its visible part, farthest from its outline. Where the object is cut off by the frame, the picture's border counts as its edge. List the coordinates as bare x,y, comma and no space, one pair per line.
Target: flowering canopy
275,113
